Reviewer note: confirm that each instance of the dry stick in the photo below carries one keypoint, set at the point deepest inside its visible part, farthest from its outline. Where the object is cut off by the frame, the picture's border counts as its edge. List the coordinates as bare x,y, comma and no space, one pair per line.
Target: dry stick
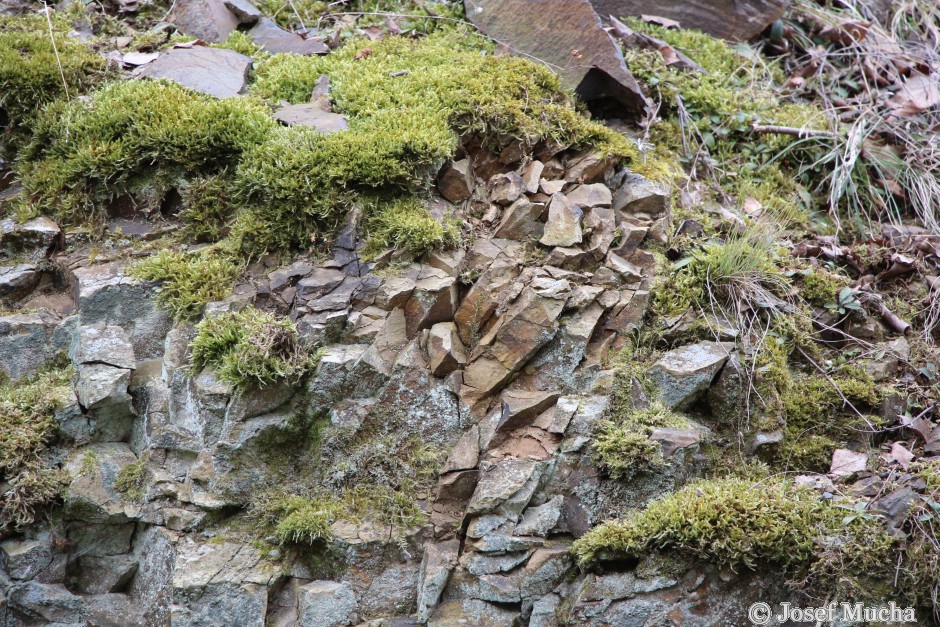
896,323
838,391
791,130
55,49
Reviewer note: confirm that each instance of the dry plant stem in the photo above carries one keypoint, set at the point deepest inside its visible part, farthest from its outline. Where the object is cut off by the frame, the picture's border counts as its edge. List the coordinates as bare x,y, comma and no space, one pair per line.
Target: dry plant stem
55,49
791,130
838,391
896,324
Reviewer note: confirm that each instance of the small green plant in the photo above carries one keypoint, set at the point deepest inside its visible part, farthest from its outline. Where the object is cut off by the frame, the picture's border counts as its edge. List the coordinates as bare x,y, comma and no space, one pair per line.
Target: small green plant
406,225
297,520
250,348
846,302
131,481
189,280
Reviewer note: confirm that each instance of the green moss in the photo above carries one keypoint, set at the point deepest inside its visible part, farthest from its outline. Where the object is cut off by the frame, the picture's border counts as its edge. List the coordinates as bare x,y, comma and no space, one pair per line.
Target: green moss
406,225
302,521
189,280
820,287
28,480
730,522
30,73
250,348
129,137
131,481
241,42
407,101
208,206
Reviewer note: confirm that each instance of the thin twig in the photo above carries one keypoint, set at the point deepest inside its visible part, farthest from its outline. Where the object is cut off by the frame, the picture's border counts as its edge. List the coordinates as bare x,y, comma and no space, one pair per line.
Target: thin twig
55,49
791,130
838,390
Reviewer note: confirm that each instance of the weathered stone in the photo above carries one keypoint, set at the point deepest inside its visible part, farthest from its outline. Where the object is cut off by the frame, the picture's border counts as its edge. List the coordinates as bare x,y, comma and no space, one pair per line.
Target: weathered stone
469,611
220,579
640,195
245,11
439,561
551,187
623,267
531,175
268,35
544,611
308,114
28,342
521,221
219,72
564,223
550,31
505,189
502,482
327,604
24,559
479,565
445,350
538,521
724,19
103,389
455,181
102,344
520,407
588,196
674,439
683,374
51,604
496,588
208,20
589,166
433,300
92,496
33,240
546,569
16,281
318,283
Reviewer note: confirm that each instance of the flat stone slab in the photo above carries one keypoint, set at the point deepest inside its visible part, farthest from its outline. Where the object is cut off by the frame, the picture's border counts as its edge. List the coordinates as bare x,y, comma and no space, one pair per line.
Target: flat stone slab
215,71
684,373
312,115
267,34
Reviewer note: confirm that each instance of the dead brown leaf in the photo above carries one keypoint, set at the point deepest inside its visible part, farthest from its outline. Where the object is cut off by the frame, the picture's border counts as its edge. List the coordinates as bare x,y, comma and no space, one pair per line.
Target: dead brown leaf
665,22
917,94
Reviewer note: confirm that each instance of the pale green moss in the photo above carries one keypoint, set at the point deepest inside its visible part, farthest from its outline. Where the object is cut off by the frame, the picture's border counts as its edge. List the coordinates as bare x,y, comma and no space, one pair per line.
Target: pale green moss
131,481
128,136
729,522
30,73
28,481
189,280
406,225
250,348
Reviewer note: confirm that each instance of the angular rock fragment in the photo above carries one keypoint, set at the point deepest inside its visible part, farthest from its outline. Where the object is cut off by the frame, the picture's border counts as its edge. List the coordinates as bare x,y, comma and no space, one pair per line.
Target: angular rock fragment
638,194
268,35
312,115
209,20
219,72
531,175
564,223
245,11
506,188
326,604
588,196
439,561
33,240
445,350
685,373
521,221
18,280
724,19
567,35
455,181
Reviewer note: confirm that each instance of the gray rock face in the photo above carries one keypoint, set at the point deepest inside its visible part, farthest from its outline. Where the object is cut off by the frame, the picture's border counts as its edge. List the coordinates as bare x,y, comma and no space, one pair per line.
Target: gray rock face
312,115
24,559
218,72
33,240
326,604
245,11
564,223
92,496
28,341
640,195
683,374
268,35
18,280
208,20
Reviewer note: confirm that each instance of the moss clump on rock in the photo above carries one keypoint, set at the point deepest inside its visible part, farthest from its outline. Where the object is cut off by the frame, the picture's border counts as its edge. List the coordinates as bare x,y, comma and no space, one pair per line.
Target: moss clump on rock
622,445
407,225
128,136
731,522
131,480
189,280
250,348
407,102
32,75
28,481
